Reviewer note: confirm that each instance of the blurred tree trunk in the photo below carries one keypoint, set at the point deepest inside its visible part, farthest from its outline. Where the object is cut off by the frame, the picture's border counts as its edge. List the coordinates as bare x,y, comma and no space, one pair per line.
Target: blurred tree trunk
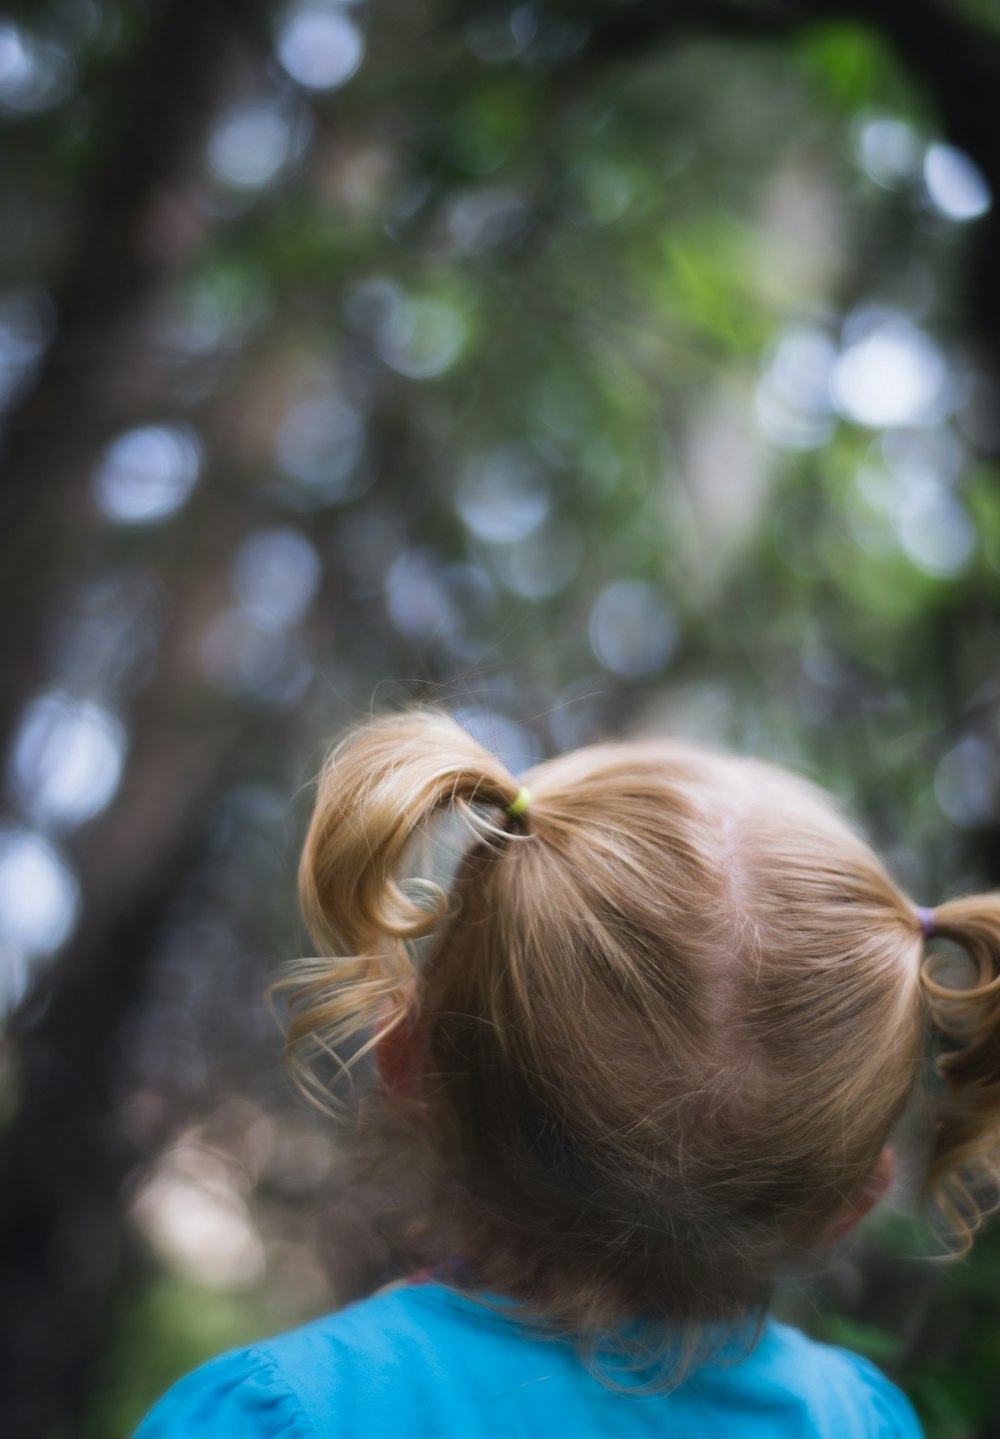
64,1250
138,222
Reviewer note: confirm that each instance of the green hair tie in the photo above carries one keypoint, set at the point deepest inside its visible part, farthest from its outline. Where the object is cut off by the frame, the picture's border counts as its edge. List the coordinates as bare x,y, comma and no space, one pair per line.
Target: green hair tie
521,803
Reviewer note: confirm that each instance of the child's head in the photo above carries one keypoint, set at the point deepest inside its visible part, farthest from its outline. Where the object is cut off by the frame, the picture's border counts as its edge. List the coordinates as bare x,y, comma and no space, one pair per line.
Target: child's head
661,1025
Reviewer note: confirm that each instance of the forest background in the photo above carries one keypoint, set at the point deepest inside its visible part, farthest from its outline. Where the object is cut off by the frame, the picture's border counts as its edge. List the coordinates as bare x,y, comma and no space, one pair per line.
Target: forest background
583,368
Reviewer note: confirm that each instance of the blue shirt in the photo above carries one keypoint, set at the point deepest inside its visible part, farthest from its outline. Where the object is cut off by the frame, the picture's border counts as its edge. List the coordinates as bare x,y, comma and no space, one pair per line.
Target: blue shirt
422,1361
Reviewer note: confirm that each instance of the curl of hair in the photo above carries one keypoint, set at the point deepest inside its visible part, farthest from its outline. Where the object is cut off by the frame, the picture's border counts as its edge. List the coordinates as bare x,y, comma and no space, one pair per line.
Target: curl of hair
963,1177
379,789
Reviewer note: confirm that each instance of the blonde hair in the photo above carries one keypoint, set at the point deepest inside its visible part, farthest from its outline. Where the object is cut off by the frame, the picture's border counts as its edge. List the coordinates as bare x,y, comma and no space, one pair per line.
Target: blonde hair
666,1018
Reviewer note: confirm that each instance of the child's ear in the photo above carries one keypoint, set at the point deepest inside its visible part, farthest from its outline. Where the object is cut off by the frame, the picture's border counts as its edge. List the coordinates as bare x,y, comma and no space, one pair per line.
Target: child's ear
880,1176
398,1054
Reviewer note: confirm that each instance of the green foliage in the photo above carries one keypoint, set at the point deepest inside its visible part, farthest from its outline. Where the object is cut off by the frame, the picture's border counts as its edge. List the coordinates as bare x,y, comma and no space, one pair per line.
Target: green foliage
168,1329
858,68
880,1345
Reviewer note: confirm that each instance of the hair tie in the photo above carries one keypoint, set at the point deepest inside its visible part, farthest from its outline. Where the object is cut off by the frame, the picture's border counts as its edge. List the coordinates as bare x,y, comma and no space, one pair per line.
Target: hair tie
521,803
927,921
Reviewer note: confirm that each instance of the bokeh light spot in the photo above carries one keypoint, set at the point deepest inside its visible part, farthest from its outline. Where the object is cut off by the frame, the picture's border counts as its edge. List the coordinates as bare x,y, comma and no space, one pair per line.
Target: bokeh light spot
633,632
504,496
39,894
541,564
964,782
319,443
67,759
792,403
888,150
35,75
892,374
254,141
275,575
920,454
147,474
417,597
956,186
319,46
935,530
421,337
195,1217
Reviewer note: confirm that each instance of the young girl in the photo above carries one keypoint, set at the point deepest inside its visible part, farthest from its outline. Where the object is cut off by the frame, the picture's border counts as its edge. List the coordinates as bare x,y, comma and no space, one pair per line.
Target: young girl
649,1050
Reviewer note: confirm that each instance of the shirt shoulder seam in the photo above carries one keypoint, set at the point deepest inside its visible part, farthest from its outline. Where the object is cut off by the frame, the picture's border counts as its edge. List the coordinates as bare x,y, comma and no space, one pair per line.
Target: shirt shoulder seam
301,1423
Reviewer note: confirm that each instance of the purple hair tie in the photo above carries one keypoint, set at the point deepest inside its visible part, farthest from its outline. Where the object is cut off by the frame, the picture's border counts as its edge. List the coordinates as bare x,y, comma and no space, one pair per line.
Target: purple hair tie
927,921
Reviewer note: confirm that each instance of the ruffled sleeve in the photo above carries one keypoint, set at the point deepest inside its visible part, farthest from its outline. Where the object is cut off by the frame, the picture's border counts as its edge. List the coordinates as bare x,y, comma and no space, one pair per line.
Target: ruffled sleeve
240,1395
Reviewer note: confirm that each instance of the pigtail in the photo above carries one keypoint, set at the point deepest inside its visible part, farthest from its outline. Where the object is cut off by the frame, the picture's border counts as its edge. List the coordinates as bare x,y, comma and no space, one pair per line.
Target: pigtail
964,1171
377,791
